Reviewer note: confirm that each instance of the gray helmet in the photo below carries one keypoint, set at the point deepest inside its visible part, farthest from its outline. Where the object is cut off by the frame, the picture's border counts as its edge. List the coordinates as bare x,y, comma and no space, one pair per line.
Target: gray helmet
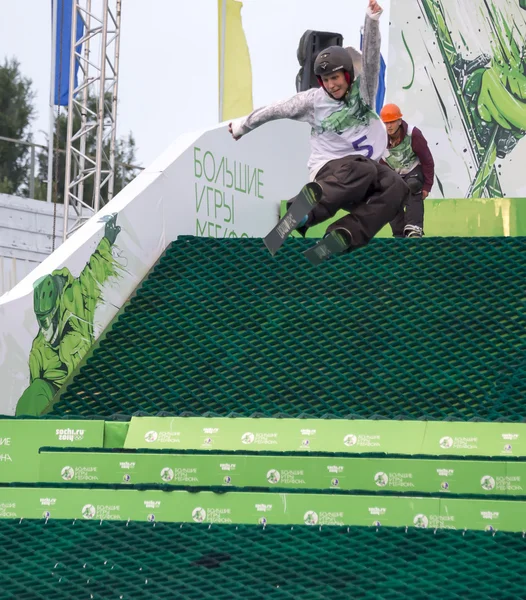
332,59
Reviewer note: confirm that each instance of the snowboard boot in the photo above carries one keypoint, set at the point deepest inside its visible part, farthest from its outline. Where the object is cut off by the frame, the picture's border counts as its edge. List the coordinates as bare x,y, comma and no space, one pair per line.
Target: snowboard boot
413,231
334,243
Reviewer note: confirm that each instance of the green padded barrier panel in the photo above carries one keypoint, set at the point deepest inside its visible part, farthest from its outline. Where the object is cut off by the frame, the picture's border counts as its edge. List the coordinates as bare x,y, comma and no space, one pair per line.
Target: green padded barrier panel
64,560
115,434
411,329
457,217
293,472
20,440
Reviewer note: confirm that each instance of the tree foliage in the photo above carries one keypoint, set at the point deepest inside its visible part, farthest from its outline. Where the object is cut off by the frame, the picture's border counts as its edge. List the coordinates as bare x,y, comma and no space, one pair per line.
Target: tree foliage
16,114
124,157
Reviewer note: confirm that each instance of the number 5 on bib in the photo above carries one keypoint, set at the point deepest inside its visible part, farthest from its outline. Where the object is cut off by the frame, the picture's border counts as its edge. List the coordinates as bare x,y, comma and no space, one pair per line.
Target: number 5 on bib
358,147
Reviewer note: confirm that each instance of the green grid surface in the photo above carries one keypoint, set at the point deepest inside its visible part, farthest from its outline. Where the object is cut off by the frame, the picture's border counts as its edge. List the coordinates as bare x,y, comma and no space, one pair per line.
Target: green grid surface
91,560
409,329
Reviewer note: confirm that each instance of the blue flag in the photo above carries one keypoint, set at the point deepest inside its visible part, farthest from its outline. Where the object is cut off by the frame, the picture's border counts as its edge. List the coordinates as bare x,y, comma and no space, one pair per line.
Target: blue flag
380,94
63,49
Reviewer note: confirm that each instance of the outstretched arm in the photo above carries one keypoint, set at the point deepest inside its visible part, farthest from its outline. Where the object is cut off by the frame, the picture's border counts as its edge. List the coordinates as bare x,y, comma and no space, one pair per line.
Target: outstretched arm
371,54
299,108
101,265
421,149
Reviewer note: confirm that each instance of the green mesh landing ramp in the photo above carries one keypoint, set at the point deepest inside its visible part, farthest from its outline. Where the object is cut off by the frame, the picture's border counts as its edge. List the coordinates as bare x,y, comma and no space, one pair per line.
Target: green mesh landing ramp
113,560
410,329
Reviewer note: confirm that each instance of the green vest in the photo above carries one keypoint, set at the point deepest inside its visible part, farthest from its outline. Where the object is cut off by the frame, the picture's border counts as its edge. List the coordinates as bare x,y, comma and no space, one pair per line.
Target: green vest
402,158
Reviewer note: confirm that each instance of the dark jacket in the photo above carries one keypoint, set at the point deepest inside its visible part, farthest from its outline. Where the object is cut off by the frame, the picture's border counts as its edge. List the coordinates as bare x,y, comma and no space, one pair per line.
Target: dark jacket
421,149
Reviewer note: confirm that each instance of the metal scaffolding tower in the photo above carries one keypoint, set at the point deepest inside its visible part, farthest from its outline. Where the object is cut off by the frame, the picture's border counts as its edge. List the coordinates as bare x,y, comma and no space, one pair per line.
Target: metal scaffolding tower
92,109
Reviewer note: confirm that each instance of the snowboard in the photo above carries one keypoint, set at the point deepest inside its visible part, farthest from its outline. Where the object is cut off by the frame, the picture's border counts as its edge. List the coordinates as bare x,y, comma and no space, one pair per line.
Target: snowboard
300,206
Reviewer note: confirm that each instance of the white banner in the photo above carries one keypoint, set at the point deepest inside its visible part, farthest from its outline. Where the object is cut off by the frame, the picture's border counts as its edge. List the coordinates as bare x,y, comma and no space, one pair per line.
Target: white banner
457,69
205,184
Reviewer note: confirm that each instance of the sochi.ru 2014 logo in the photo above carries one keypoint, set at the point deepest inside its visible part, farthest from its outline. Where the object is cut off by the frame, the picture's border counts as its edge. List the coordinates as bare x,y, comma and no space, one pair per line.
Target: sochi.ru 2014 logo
199,514
421,521
248,438
350,440
310,518
446,442
381,479
88,511
67,473
151,436
487,483
273,476
167,474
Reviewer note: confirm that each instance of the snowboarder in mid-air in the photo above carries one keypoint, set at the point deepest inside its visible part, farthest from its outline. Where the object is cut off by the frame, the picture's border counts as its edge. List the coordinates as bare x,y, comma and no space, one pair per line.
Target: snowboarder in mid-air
347,141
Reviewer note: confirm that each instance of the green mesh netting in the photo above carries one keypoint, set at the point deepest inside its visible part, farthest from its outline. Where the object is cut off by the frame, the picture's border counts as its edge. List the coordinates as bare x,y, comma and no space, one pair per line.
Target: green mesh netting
411,329
64,560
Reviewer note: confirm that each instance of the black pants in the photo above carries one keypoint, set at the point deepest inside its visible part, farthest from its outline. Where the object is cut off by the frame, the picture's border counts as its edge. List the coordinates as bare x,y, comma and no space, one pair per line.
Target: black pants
372,193
410,217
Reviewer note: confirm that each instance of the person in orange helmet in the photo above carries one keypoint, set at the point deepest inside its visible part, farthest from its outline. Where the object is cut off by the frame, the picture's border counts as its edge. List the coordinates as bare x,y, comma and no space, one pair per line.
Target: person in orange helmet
408,154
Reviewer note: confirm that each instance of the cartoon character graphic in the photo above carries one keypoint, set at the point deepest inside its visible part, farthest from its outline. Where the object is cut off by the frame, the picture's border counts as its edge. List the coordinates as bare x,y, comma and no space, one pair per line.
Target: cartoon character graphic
64,308
490,90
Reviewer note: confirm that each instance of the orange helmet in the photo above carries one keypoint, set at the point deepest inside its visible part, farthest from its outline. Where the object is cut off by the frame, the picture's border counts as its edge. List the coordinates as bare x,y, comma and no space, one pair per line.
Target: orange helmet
390,113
